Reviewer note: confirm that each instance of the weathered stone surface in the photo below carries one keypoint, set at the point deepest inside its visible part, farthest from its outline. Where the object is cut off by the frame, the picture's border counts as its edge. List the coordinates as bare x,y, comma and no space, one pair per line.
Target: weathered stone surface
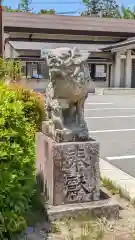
67,159
66,94
104,208
70,169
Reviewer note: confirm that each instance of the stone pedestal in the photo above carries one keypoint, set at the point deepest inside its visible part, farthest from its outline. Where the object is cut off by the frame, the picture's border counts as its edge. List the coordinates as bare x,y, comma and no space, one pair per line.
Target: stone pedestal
70,170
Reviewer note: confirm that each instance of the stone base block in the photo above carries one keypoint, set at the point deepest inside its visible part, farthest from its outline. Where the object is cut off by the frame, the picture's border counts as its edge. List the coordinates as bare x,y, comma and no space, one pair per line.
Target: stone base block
104,208
70,170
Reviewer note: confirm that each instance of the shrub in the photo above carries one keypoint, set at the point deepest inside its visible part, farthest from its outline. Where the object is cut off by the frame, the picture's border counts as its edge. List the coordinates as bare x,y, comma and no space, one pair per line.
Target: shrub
17,163
3,69
33,104
10,70
14,70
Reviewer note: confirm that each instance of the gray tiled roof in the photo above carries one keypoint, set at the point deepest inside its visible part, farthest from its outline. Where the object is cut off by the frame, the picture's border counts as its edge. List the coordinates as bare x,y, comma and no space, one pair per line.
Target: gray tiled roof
59,22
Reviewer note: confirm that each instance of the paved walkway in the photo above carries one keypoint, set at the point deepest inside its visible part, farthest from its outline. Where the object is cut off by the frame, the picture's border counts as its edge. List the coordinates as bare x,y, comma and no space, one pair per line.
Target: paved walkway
119,178
111,121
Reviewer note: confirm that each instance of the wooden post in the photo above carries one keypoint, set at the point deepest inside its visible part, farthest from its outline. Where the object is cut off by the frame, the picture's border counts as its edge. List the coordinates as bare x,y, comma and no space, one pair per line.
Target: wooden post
1,30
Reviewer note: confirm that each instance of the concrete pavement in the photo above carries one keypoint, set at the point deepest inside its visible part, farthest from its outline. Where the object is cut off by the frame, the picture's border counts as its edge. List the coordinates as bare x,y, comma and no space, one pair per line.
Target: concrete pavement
119,178
111,121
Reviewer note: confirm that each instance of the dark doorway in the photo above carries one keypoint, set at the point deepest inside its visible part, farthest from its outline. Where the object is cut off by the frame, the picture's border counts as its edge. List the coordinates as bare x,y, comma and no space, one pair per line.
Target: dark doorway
133,74
109,78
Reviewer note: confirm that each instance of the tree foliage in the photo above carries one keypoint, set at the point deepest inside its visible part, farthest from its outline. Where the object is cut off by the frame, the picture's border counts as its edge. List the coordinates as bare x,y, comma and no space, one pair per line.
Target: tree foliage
110,9
25,5
127,13
10,70
10,9
50,12
92,6
105,8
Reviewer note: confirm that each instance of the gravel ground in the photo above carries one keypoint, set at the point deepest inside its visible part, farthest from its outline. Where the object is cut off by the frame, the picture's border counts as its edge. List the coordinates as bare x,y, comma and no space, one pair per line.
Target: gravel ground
121,229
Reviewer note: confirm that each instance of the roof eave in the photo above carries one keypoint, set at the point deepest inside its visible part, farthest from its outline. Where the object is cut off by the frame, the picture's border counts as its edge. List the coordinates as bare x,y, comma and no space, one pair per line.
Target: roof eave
118,46
66,31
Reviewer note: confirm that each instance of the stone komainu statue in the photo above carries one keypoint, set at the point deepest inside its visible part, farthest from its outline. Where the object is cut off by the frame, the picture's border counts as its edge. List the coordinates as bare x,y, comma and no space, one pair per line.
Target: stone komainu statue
66,93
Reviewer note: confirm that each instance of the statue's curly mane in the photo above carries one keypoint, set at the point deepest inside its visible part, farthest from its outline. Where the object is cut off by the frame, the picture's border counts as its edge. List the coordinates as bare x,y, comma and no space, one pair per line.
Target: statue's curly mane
68,63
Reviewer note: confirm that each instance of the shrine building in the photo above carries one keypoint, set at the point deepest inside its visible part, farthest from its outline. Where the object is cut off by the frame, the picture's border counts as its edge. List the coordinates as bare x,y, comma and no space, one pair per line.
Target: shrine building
110,43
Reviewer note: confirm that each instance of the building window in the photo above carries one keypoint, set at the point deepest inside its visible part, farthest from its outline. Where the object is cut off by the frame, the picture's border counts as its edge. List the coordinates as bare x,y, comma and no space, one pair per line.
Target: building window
98,72
35,70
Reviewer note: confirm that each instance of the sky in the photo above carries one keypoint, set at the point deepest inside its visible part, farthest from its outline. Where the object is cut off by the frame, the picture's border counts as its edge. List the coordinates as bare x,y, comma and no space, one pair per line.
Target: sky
60,6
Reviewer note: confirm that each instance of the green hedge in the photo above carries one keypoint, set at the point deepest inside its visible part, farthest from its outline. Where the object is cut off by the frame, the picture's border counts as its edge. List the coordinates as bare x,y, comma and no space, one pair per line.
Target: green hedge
17,163
34,106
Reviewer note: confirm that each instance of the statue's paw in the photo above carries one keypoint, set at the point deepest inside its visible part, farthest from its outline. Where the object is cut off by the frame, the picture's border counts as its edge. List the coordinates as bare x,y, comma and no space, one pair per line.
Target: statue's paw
59,135
58,124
